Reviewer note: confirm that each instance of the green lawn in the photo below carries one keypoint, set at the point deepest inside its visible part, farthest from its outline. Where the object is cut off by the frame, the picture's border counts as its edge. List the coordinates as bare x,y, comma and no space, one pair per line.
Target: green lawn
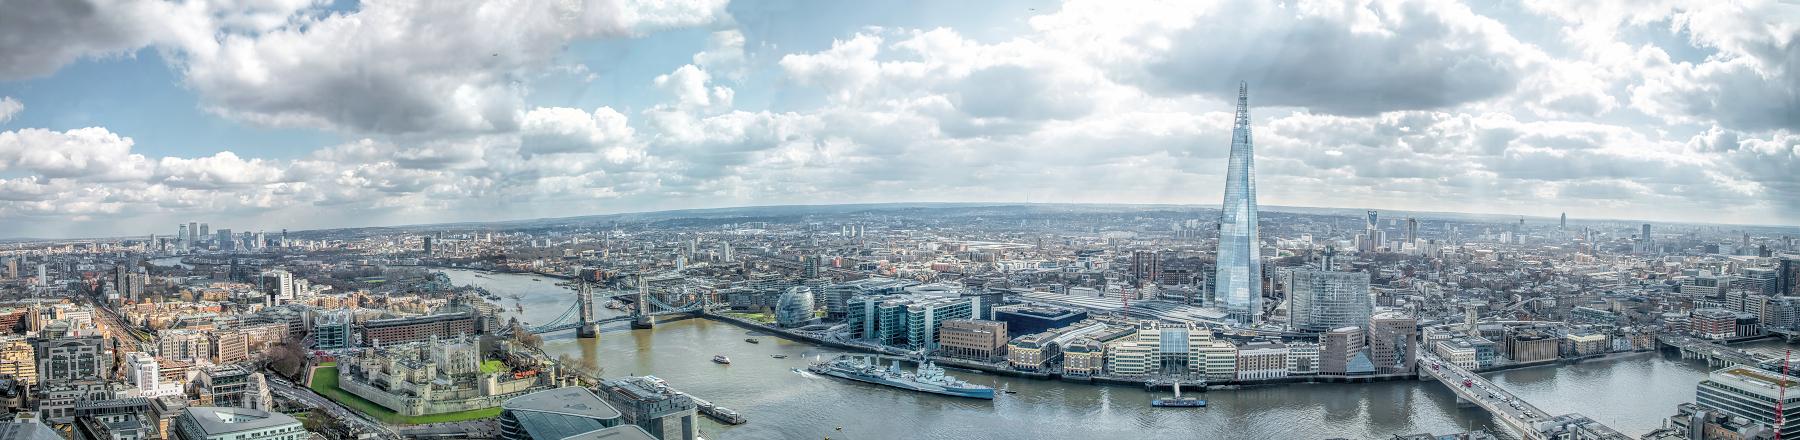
765,318
492,366
325,382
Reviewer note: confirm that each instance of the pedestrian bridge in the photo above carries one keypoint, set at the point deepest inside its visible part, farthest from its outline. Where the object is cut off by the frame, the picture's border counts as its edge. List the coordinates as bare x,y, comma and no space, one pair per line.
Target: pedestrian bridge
1524,419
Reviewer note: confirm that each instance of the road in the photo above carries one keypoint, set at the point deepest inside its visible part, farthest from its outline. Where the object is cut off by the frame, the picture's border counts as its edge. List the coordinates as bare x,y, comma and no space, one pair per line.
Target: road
356,420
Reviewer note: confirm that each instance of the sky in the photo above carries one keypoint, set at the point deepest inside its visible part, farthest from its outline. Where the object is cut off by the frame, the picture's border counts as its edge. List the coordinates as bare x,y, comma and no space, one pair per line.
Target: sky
128,117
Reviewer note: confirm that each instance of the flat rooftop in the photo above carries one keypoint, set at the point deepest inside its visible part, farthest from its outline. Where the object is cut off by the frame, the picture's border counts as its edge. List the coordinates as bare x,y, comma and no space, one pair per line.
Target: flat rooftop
571,400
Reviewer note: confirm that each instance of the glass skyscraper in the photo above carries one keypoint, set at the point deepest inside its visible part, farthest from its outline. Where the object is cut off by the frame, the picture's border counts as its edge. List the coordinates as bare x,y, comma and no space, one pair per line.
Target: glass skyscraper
1237,282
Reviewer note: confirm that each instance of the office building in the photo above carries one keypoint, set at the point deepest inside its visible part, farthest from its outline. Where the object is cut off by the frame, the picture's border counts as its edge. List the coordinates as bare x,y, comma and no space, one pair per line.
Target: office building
1787,275
1302,358
1393,342
331,330
414,329
27,428
556,414
1412,231
1325,300
217,423
907,320
1713,323
18,359
1024,320
1237,280
1083,357
1146,265
1751,393
795,307
72,358
144,374
1458,352
973,339
184,344
1262,360
1531,346
649,404
1177,350
1341,353
839,294
227,385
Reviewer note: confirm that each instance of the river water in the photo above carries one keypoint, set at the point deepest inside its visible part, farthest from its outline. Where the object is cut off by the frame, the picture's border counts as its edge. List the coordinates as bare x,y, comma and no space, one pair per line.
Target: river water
1632,393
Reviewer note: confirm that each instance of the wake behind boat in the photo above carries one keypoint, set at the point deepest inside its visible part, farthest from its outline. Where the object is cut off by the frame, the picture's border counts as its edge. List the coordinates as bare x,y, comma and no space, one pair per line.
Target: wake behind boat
927,378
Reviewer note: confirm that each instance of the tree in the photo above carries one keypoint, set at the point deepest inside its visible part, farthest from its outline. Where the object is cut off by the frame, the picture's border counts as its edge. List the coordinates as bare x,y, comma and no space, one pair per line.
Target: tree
317,420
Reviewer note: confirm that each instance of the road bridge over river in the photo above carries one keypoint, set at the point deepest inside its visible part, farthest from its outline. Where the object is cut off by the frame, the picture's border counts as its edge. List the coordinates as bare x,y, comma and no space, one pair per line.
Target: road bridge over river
1524,419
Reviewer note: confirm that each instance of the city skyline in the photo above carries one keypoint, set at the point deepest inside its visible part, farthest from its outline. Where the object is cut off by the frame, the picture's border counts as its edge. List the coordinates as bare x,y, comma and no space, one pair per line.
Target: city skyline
262,115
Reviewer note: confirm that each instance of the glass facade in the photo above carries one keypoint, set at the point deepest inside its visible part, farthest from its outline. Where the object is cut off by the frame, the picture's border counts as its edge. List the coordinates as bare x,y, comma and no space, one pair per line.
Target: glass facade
1237,282
795,308
1324,300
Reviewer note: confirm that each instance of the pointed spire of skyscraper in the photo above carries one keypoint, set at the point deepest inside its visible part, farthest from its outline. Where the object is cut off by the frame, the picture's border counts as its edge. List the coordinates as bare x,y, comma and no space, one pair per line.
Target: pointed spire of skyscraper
1237,280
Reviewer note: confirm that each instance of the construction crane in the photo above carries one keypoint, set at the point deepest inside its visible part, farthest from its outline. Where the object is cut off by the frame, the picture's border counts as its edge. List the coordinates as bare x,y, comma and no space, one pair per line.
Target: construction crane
1780,414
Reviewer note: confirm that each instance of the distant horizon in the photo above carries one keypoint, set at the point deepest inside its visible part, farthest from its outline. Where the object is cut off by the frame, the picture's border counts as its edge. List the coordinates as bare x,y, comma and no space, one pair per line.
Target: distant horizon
120,118
1290,209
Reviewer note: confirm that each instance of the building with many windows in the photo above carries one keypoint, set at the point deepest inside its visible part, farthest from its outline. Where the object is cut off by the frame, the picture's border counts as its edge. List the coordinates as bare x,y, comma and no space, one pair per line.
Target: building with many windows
72,358
1751,393
650,404
1084,356
219,423
1323,300
973,339
1393,342
1237,279
837,296
910,321
1342,352
1262,360
414,329
555,414
1176,350
1024,320
795,307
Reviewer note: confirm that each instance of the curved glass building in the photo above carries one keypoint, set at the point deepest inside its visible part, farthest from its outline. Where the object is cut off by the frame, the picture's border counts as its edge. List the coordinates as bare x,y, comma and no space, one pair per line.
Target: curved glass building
1237,282
555,414
795,307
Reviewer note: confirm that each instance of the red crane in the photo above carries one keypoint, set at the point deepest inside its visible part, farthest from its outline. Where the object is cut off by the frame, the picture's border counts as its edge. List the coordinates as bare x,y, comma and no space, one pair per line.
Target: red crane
1780,414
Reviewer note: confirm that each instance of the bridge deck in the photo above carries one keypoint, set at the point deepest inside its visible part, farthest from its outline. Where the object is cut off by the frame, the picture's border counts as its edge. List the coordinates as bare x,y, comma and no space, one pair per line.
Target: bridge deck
1525,419
1714,351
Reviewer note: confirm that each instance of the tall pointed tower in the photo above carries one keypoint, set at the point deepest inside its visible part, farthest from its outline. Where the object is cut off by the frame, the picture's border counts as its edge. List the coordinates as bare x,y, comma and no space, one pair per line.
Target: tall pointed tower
1237,282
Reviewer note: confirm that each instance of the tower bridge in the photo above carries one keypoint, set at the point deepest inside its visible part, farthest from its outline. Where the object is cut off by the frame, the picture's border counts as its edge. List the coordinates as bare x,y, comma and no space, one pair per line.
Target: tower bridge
583,317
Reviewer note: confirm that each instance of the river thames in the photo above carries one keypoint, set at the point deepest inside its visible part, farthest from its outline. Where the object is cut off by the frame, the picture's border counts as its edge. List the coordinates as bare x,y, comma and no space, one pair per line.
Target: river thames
1631,393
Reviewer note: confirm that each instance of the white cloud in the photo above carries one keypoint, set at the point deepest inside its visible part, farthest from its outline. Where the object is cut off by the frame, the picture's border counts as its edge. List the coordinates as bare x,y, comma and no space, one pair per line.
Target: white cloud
1422,105
9,107
568,130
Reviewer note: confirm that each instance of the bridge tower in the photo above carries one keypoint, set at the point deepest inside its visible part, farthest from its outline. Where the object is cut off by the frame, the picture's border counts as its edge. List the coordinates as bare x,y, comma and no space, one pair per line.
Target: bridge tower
640,316
584,299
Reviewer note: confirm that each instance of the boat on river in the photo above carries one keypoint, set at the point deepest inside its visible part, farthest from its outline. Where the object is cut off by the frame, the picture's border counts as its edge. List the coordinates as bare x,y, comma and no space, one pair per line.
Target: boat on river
1178,401
721,359
927,378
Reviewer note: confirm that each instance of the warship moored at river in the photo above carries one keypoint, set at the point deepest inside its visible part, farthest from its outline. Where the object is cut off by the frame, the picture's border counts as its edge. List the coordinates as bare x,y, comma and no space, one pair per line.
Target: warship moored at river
927,378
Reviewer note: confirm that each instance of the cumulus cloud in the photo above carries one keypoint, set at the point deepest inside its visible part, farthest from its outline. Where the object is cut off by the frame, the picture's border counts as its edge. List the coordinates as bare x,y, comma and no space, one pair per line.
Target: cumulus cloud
9,107
567,130
1424,105
37,37
1357,58
408,66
